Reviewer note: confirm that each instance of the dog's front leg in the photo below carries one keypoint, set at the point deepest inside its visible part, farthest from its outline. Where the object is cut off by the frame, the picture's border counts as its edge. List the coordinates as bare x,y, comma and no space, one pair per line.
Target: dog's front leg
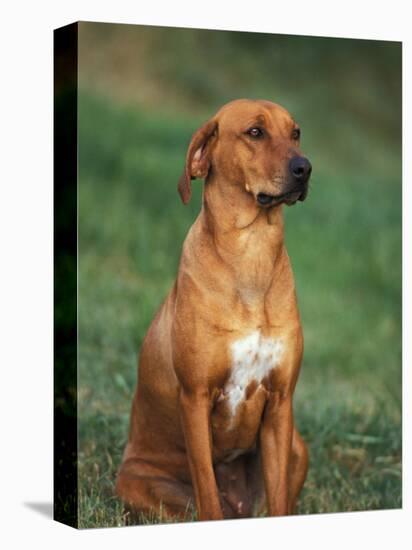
194,407
276,439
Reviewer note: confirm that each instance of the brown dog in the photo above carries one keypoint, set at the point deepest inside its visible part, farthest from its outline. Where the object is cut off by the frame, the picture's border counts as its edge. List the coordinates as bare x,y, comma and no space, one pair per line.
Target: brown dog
212,421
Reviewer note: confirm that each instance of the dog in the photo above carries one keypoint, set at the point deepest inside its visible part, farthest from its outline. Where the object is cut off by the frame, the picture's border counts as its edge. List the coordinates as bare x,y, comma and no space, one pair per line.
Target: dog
212,421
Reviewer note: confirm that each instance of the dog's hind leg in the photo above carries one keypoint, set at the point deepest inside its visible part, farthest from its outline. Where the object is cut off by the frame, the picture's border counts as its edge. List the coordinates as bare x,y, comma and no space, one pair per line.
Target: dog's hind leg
148,492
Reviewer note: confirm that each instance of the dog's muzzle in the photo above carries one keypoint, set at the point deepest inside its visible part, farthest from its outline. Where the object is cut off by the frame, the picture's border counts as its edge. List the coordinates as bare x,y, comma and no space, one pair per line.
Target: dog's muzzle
299,171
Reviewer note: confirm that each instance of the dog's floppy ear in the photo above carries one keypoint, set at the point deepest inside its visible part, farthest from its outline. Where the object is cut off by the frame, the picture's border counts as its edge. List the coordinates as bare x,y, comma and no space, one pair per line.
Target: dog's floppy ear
197,159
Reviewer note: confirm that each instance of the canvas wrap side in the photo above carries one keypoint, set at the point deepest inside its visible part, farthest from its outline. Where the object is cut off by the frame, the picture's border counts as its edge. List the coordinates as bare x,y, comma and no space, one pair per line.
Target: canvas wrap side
65,274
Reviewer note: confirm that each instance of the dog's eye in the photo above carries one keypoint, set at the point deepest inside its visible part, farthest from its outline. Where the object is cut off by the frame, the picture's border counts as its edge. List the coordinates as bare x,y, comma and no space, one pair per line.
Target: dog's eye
255,132
296,133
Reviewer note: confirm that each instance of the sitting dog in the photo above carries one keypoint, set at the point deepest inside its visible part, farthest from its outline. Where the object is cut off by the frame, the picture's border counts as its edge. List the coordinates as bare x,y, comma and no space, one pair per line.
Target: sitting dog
212,421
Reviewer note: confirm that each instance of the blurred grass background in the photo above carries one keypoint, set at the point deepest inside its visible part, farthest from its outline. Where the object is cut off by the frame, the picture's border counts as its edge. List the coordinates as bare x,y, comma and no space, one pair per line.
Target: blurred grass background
143,91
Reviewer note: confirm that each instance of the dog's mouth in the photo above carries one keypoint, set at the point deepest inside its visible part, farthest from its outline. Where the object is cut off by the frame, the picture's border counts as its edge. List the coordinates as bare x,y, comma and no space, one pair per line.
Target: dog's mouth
289,198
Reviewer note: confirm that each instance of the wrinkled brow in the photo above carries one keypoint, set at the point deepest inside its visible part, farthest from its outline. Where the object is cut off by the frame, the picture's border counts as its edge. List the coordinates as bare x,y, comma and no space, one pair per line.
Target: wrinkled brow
259,120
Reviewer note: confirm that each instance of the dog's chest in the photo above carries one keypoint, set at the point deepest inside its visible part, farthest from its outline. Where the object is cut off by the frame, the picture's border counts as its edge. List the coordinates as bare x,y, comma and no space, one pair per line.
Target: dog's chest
238,411
252,359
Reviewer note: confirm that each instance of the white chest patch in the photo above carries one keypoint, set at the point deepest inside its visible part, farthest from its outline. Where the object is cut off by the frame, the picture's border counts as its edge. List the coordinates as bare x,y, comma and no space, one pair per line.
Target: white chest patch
253,358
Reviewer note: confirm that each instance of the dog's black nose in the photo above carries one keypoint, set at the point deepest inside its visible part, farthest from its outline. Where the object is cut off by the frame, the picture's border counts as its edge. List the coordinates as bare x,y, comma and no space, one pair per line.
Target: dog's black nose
300,168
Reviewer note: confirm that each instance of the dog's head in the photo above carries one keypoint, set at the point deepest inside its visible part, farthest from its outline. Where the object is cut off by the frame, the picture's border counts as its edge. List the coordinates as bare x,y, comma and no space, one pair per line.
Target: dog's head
253,145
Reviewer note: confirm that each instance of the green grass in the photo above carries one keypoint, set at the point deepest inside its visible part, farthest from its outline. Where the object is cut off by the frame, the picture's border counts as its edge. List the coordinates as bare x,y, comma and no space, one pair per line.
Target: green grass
345,247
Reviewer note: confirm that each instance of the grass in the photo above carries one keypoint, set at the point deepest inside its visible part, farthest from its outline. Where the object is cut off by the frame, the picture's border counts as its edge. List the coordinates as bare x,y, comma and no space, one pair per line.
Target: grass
345,247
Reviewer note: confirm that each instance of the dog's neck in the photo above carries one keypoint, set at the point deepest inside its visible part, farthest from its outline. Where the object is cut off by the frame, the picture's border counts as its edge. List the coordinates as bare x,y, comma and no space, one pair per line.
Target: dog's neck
237,222
246,240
